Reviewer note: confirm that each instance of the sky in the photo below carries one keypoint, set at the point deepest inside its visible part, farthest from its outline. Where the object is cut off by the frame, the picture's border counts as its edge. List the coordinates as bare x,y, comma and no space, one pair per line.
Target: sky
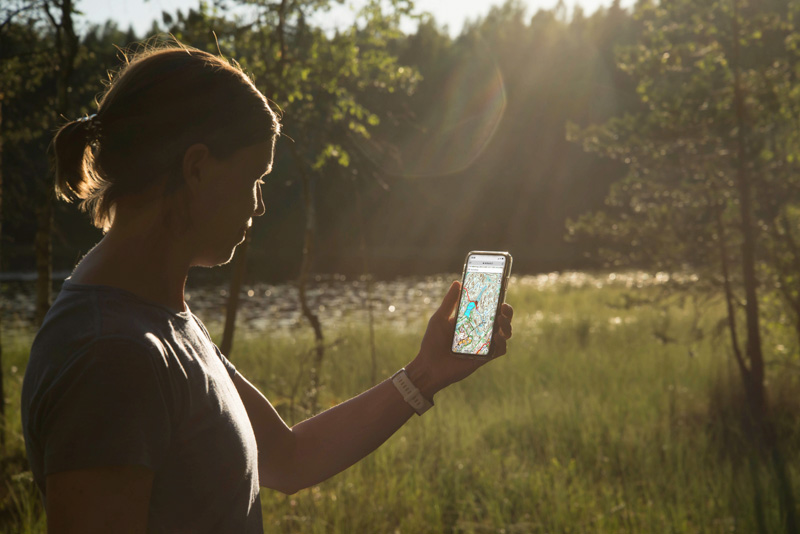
452,13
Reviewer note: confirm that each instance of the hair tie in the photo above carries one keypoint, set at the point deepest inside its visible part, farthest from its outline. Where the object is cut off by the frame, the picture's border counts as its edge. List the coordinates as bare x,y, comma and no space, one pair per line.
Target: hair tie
94,128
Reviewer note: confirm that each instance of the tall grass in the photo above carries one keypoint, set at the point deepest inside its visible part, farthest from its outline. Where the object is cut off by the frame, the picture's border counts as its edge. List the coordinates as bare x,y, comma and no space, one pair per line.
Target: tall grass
605,416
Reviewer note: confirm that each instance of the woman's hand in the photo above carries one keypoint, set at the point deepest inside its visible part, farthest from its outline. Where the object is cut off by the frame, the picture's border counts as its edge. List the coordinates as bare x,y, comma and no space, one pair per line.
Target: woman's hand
436,367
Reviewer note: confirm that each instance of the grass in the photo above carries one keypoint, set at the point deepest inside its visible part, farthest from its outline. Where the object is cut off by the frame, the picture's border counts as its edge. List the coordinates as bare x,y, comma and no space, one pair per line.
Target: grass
605,416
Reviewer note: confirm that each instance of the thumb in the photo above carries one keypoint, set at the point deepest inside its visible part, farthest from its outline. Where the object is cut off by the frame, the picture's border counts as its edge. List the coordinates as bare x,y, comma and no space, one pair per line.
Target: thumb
449,301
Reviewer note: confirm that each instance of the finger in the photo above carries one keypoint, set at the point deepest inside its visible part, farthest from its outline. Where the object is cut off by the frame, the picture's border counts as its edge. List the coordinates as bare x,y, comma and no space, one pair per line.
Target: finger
449,302
499,347
504,326
507,310
508,331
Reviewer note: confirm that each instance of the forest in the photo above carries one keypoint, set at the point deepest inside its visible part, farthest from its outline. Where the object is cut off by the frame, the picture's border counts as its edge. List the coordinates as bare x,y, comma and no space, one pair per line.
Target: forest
648,159
420,144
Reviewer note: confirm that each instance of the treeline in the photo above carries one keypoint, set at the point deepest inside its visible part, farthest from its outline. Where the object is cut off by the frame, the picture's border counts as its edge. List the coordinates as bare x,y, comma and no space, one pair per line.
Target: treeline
417,148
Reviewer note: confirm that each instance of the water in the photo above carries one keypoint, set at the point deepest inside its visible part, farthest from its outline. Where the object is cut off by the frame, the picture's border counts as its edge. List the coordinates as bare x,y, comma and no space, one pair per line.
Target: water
401,303
337,301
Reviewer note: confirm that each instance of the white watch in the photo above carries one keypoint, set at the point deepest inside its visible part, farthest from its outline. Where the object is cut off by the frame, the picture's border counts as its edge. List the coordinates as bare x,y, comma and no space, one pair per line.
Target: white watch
410,392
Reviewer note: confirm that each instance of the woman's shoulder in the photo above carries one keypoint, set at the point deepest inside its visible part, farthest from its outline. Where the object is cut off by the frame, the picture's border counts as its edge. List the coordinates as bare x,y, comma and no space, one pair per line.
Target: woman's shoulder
86,315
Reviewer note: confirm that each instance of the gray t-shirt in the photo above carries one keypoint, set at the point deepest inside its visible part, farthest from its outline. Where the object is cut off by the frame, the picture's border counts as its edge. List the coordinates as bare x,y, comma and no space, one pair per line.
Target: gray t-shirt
115,380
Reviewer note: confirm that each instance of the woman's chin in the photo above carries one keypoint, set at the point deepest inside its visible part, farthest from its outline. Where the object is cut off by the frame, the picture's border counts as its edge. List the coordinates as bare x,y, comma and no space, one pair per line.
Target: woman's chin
230,256
214,260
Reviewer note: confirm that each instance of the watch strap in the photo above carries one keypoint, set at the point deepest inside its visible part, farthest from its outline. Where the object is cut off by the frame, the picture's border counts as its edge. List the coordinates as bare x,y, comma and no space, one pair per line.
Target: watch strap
410,393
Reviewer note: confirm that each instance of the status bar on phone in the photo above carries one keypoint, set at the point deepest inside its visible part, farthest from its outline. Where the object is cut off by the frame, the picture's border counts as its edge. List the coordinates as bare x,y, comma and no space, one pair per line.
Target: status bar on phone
486,264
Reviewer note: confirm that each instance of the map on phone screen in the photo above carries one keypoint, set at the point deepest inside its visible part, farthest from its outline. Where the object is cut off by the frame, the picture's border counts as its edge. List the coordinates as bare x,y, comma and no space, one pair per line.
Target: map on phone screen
476,312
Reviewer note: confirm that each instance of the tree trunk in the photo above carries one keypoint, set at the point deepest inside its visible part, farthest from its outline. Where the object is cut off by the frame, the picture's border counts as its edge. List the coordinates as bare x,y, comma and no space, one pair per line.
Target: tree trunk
44,252
729,297
302,281
239,267
67,49
755,381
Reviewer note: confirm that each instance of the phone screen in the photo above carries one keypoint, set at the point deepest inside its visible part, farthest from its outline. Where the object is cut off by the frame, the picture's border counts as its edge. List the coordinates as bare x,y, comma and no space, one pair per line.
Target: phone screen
483,280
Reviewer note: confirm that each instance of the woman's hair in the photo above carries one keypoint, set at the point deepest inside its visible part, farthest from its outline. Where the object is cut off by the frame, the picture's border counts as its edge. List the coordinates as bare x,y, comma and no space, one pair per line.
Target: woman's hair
159,104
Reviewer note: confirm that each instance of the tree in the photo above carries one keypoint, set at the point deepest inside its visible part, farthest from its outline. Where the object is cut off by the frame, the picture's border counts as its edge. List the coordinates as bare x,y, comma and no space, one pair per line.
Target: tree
711,168
18,75
59,14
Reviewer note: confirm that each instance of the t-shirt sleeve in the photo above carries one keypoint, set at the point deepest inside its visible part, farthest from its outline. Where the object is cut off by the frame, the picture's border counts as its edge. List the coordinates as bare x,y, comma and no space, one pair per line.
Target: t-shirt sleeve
226,362
109,407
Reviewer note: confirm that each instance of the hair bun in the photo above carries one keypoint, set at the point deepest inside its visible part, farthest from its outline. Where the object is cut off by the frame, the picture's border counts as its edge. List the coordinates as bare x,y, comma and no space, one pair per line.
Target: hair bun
73,159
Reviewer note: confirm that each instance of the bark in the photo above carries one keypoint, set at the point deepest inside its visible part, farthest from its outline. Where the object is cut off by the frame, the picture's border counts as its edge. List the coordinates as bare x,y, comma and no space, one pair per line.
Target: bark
239,268
729,297
753,348
302,280
756,391
67,50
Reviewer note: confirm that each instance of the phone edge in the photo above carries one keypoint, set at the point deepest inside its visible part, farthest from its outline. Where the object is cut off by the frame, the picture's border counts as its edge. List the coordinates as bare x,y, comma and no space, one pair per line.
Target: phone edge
501,299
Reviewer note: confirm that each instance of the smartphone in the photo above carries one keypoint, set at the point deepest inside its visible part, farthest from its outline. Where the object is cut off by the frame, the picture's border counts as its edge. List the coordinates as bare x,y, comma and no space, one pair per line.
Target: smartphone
483,291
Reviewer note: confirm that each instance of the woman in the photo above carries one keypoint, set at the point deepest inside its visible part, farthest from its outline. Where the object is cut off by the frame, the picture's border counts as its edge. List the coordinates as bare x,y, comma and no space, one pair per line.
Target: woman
133,419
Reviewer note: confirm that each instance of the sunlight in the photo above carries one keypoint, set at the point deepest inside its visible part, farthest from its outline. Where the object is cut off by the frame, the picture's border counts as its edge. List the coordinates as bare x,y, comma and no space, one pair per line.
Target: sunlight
455,129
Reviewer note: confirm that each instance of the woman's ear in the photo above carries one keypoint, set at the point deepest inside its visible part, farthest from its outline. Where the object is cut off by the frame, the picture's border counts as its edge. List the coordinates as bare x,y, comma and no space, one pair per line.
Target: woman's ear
196,166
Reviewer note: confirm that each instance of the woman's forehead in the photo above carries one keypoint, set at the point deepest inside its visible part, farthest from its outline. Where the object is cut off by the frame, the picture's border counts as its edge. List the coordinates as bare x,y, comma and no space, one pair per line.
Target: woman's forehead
259,156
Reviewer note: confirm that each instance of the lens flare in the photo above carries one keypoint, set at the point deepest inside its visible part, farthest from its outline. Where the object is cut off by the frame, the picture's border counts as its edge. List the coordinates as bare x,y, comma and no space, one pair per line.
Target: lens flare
453,131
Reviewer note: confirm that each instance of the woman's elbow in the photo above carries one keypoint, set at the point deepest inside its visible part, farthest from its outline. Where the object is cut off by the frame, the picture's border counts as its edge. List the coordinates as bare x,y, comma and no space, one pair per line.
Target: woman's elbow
289,490
284,484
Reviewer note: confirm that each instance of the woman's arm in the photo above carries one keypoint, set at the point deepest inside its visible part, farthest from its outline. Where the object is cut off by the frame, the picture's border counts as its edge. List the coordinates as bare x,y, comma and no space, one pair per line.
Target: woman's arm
294,458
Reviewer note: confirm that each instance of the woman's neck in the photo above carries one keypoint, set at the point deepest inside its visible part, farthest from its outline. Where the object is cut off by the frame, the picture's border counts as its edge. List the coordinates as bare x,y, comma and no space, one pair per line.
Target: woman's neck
141,255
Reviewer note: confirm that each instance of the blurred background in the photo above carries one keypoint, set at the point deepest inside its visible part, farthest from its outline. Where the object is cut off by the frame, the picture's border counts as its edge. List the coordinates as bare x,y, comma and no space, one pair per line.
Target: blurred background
640,161
427,134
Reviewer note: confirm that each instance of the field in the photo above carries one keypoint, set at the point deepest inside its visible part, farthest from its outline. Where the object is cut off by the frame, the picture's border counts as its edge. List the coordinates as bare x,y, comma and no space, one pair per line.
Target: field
613,411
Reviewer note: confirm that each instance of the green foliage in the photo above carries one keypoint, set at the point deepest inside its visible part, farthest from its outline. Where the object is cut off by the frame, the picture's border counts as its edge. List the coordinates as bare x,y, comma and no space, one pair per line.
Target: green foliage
679,205
27,88
27,61
318,80
363,86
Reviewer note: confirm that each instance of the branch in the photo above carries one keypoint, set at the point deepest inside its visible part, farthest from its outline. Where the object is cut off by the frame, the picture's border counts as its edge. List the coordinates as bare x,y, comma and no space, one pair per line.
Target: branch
58,28
46,6
16,12
729,297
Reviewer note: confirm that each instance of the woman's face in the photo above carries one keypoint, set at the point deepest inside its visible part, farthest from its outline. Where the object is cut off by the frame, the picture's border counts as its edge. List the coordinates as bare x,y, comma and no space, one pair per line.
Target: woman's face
222,207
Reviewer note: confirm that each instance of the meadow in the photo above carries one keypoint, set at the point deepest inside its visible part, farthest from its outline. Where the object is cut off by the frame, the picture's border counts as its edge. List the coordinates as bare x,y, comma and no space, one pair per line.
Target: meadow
616,409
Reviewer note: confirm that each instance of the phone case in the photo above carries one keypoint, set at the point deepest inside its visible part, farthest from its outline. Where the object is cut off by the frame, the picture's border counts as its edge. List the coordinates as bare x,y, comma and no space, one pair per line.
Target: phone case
501,299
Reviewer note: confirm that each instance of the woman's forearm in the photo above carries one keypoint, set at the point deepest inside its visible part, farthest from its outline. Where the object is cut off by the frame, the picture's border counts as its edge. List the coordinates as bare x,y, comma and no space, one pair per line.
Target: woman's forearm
335,439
